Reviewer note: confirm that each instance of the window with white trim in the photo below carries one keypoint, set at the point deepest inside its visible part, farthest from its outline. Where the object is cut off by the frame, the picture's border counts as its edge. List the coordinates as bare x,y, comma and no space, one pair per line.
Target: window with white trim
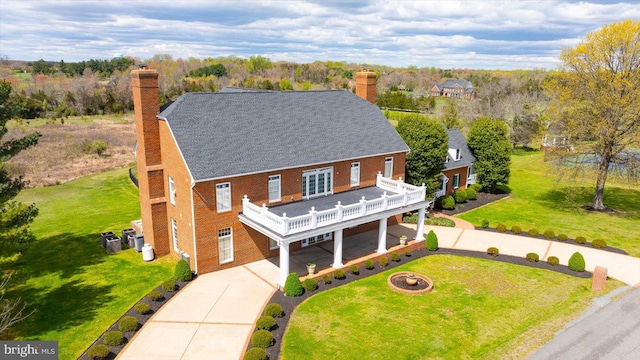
457,154
223,197
174,234
456,181
172,191
317,182
388,167
355,174
274,188
273,244
225,245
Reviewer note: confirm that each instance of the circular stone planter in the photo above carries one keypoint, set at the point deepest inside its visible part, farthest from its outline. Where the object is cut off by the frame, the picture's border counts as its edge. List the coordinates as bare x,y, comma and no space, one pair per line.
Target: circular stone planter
398,283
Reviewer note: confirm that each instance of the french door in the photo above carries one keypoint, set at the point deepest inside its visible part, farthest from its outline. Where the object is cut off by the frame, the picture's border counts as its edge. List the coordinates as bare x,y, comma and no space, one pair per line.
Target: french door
316,239
317,182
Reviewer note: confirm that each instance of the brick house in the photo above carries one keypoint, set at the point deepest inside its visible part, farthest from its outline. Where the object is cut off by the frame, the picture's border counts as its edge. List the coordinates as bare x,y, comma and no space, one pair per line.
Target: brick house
455,89
458,172
237,176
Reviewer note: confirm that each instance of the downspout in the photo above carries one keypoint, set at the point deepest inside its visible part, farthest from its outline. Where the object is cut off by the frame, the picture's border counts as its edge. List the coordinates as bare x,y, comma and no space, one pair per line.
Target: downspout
193,227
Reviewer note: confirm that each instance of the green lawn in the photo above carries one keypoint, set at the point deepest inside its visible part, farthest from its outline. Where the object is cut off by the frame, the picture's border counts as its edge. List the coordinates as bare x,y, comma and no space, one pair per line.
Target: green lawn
478,309
539,200
77,289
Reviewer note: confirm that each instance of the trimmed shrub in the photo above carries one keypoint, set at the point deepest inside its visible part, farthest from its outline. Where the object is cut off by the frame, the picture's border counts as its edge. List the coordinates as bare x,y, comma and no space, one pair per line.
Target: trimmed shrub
549,234
383,261
533,232
581,240
485,224
471,194
407,252
262,339
182,271
562,237
255,353
410,219
477,187
273,310
369,265
448,203
128,323
516,229
460,196
599,244
155,295
114,338
553,261
501,228
265,323
431,242
143,308
169,285
394,257
354,269
326,278
98,352
293,286
493,251
576,262
532,257
310,284
338,274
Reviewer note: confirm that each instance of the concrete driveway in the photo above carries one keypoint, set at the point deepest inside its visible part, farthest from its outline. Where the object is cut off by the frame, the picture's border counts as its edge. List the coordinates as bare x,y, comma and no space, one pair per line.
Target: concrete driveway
211,318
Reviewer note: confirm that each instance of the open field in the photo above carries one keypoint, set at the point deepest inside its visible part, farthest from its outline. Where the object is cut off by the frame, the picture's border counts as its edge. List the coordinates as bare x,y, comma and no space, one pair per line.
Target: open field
478,309
77,289
539,201
64,153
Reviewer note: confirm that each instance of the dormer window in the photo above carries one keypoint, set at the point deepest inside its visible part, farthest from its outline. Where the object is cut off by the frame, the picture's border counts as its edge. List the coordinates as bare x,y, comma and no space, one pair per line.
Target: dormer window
457,154
454,154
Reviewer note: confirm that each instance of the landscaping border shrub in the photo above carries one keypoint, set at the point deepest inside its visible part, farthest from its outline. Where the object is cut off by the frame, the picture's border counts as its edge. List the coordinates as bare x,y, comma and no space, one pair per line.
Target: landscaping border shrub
477,187
369,265
169,285
182,271
501,228
516,229
255,353
265,322
549,234
553,260
143,308
338,274
98,352
293,286
431,243
310,284
447,202
407,252
460,196
493,251
394,257
113,338
533,232
485,224
562,237
599,244
326,278
471,194
354,269
383,261
532,257
128,323
576,262
581,240
155,295
262,339
274,310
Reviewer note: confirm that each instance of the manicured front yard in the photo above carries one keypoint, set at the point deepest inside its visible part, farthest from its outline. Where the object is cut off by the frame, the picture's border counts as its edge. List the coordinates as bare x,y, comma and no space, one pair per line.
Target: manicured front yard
539,200
77,289
478,309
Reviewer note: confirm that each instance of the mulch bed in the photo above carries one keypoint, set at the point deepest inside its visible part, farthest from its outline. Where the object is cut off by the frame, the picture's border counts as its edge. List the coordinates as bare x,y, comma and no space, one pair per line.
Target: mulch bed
154,305
290,303
483,199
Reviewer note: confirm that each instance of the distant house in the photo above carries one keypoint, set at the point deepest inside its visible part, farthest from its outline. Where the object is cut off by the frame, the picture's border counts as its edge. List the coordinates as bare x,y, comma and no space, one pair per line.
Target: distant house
237,176
455,89
458,172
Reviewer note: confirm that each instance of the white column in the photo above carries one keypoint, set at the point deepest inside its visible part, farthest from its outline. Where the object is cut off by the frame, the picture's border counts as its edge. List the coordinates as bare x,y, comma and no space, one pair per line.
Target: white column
337,250
284,264
420,227
382,237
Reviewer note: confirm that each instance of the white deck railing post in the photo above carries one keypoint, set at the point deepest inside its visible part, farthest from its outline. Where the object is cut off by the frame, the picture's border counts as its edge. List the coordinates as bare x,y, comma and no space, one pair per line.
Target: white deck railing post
339,207
314,218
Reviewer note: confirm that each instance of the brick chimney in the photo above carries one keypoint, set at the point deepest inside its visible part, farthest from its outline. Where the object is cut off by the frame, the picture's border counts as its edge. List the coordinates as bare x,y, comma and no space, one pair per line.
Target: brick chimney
366,85
153,205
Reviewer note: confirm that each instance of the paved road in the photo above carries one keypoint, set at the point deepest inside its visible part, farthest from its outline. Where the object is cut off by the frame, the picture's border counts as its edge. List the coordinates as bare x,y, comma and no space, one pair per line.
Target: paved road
613,332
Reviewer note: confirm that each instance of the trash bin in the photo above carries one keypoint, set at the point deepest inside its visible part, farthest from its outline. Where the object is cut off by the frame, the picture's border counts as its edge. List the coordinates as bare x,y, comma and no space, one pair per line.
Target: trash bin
139,242
147,252
113,245
131,240
104,236
126,233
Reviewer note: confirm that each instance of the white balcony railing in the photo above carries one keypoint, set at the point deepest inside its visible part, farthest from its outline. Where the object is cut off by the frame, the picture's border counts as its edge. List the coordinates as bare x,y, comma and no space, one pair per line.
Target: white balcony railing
471,179
404,194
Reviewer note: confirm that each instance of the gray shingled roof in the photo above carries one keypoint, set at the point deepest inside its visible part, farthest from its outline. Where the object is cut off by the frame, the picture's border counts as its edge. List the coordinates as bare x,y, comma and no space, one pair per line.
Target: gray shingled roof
233,133
457,141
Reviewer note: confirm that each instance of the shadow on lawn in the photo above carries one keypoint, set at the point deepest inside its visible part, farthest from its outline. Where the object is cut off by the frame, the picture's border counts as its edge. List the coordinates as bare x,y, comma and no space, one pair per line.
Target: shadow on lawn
623,202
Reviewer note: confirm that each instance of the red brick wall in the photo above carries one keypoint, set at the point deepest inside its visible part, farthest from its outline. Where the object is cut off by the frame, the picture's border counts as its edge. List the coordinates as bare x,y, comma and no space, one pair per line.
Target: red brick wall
366,85
463,179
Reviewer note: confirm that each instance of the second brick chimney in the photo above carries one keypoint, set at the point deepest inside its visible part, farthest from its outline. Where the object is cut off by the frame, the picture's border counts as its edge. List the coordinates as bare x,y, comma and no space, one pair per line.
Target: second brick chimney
366,85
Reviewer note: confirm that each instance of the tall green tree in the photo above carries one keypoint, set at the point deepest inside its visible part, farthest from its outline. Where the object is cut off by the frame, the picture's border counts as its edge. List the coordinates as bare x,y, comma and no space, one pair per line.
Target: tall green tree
429,142
450,115
488,139
15,217
597,95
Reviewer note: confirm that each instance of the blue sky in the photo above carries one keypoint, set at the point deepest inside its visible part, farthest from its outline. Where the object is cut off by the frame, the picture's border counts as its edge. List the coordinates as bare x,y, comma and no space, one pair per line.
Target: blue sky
473,34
